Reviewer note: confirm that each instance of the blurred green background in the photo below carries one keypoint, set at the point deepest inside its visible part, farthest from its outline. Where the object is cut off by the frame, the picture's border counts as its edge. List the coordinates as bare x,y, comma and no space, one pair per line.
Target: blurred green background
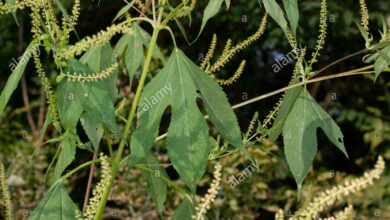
360,107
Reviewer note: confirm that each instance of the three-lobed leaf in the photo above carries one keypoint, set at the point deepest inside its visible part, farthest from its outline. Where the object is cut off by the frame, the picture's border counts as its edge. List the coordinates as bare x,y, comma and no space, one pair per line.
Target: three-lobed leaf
188,143
300,138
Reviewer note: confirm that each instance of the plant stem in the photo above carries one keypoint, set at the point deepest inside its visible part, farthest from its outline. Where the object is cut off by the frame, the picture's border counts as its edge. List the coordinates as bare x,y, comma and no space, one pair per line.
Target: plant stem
89,184
338,61
348,73
116,162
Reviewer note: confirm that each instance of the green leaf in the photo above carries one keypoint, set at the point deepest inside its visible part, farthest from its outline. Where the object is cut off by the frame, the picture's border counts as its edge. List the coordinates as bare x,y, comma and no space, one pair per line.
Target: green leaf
14,12
93,130
217,107
211,10
66,15
123,10
99,59
156,186
68,151
134,54
288,102
182,30
300,138
15,76
145,38
56,204
274,10
363,31
188,140
292,11
42,132
70,105
382,62
92,96
227,2
185,211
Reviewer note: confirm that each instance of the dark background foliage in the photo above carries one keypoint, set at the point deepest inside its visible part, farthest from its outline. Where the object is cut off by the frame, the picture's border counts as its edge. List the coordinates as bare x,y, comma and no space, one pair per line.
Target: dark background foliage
361,108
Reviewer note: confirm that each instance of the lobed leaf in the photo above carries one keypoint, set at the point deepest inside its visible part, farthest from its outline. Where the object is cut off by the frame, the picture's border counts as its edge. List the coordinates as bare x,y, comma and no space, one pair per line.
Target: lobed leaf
188,144
300,138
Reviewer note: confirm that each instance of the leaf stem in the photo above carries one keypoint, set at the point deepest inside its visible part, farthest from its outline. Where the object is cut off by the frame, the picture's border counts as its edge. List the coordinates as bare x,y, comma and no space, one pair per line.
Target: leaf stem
116,162
166,180
108,143
79,168
338,61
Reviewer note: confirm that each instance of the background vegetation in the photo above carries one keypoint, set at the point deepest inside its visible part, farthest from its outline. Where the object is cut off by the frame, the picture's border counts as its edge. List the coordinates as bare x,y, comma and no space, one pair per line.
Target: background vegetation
361,109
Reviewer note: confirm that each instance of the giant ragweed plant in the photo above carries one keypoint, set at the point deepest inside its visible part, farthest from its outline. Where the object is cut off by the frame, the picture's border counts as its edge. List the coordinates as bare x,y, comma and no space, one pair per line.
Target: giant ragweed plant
85,91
